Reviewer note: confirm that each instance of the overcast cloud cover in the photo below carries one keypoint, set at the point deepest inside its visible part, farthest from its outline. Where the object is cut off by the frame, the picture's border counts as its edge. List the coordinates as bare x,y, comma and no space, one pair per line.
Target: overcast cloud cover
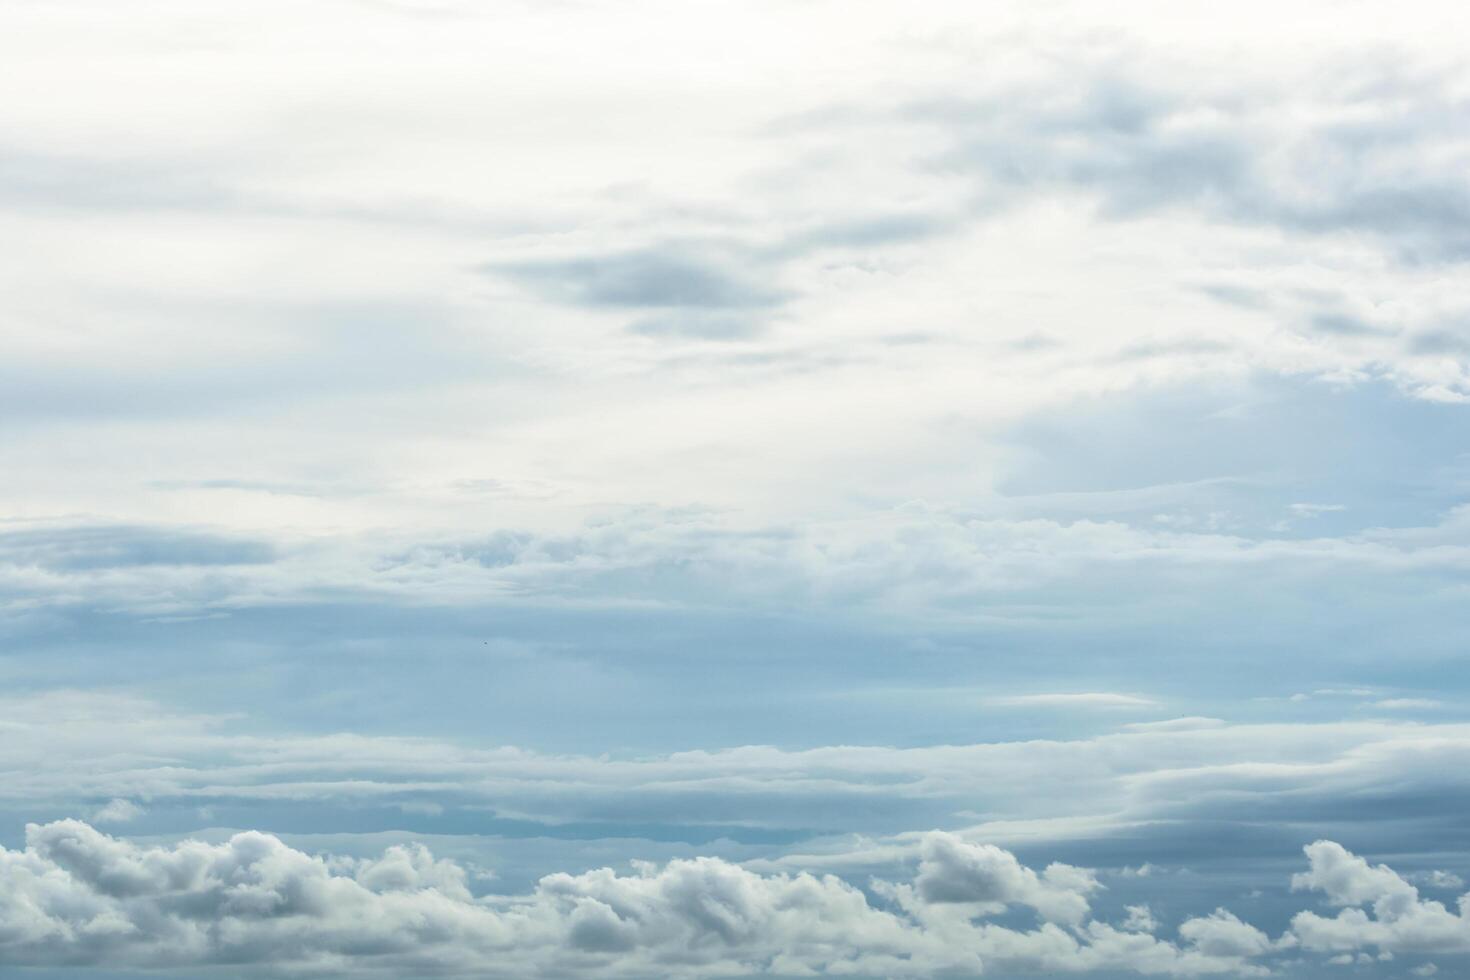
783,488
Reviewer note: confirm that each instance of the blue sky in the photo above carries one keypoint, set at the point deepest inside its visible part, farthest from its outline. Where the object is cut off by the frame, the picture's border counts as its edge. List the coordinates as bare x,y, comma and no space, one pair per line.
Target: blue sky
556,490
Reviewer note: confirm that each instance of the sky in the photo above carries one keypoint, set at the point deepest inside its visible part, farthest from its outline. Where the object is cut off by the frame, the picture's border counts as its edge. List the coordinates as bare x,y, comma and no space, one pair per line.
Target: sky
780,488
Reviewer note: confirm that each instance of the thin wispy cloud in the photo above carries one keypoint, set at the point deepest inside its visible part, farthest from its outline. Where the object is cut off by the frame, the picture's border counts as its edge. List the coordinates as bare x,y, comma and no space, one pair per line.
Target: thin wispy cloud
1090,699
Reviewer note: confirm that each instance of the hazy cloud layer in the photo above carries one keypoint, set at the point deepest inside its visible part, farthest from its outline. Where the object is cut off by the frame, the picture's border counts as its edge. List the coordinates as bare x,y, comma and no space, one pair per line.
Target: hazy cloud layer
127,760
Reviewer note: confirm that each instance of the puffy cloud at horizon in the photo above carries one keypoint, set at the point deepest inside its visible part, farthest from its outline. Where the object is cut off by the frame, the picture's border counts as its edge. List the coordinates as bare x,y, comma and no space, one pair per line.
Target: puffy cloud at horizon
75,896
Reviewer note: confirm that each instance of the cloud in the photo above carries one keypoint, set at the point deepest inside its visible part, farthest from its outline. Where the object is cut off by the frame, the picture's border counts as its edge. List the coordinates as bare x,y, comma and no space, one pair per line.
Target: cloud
118,811
1347,879
1329,151
699,324
1437,879
540,393
1184,724
65,750
922,562
863,232
1315,510
1380,909
102,547
1405,704
952,871
1140,917
75,896
1222,934
1346,325
1096,699
709,290
671,277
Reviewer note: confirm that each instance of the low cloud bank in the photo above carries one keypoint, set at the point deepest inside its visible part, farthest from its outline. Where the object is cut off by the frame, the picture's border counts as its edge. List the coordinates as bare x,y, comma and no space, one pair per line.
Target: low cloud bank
75,896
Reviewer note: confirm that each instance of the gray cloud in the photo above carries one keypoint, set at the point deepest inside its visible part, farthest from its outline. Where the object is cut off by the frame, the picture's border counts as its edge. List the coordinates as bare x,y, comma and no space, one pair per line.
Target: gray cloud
1441,342
863,232
88,548
1360,164
675,276
954,872
1235,295
29,178
706,289
99,748
699,324
1346,325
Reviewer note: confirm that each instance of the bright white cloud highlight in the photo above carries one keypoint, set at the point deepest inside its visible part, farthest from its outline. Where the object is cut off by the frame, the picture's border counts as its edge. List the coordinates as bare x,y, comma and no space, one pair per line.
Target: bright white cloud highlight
1379,909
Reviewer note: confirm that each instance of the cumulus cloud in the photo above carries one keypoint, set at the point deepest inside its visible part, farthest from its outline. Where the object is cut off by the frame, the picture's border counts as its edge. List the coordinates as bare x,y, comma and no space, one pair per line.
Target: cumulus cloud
77,896
953,871
1379,908
1222,934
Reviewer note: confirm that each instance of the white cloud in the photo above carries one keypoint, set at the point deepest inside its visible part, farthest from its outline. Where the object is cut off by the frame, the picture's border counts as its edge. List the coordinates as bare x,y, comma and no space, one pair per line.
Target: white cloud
1096,699
118,811
1437,879
1316,510
1222,934
76,896
1380,909
67,749
1140,918
952,871
1227,170
734,311
1406,704
1347,879
918,564
1184,724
